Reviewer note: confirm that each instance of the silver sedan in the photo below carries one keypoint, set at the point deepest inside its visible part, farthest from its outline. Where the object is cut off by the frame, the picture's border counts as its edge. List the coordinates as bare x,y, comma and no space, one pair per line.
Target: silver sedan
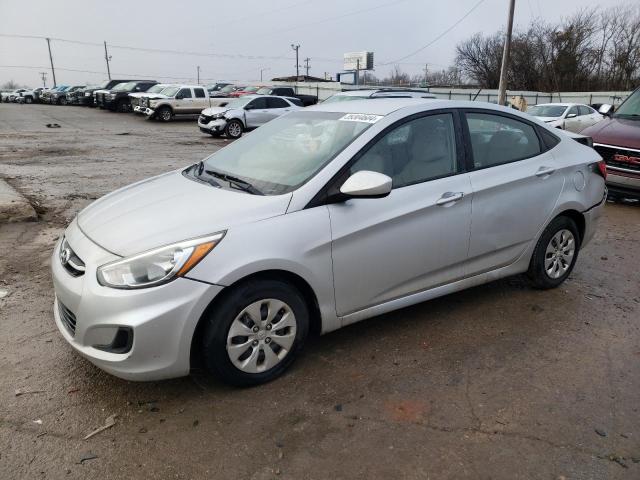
321,218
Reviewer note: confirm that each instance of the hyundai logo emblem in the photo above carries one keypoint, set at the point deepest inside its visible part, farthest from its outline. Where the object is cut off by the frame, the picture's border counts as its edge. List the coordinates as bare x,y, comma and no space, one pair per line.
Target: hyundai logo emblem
65,255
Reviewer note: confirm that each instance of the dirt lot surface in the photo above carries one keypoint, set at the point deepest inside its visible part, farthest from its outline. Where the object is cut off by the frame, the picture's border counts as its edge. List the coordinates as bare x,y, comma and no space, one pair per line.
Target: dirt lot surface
497,382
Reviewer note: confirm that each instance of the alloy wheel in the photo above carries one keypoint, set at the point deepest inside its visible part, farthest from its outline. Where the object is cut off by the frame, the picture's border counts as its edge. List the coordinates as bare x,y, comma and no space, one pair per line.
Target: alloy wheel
261,335
235,129
559,254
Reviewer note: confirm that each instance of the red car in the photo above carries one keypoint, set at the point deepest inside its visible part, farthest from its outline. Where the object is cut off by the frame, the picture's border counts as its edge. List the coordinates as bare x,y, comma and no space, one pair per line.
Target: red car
617,140
244,91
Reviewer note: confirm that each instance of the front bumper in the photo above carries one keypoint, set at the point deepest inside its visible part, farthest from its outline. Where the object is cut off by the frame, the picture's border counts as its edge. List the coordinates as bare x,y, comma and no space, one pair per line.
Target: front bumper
212,126
591,219
622,182
161,319
149,112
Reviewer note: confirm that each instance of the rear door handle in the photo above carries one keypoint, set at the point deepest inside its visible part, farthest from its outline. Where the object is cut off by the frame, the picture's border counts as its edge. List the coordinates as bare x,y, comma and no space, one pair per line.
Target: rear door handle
544,171
449,197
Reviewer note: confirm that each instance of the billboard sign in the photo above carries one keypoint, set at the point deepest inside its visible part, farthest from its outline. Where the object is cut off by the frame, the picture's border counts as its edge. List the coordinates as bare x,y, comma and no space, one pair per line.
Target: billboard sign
358,60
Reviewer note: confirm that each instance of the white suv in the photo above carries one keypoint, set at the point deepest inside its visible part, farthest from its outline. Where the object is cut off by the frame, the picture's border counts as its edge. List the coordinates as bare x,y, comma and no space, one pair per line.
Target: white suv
245,113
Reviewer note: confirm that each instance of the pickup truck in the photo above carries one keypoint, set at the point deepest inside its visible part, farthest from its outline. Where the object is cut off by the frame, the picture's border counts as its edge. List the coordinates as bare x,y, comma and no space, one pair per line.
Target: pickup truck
117,99
62,97
175,100
288,92
87,97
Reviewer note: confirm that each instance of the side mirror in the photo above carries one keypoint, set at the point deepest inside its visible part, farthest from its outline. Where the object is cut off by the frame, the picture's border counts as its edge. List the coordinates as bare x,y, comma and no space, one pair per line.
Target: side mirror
572,115
367,184
605,109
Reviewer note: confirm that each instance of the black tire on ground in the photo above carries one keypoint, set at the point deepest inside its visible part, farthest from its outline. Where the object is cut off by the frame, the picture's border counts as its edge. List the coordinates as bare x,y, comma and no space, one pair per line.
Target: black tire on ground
215,134
164,114
214,339
537,273
122,106
234,129
28,100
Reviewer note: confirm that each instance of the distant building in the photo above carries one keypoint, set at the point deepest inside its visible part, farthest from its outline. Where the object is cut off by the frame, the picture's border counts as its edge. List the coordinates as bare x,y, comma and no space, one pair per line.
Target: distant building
300,78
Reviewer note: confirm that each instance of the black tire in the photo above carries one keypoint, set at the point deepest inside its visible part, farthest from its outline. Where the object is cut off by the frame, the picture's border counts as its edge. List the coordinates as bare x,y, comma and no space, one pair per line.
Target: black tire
537,273
220,319
164,114
123,106
28,100
234,129
215,134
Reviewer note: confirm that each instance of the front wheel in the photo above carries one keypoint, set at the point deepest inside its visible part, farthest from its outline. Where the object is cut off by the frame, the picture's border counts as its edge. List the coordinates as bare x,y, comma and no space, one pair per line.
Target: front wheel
234,129
62,101
255,333
123,106
555,254
28,100
164,114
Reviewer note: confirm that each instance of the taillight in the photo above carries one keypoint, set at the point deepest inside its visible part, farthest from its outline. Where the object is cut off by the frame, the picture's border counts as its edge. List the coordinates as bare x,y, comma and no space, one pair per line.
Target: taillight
601,168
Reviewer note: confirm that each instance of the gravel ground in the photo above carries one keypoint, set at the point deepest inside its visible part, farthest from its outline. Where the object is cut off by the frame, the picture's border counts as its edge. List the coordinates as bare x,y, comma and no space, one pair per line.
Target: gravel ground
497,382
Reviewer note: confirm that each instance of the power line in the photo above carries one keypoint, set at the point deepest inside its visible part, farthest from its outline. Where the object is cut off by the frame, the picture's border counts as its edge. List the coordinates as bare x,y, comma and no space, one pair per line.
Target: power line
438,37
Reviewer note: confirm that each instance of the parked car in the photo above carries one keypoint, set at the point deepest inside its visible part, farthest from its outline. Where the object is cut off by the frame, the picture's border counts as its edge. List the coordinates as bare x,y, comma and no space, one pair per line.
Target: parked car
45,97
176,100
61,97
319,219
87,98
117,99
216,87
13,95
225,92
134,98
240,92
307,100
566,116
31,96
617,139
378,93
245,113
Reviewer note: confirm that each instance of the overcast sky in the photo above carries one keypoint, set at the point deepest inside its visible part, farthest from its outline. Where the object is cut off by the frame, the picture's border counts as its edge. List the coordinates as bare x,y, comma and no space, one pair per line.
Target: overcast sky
325,29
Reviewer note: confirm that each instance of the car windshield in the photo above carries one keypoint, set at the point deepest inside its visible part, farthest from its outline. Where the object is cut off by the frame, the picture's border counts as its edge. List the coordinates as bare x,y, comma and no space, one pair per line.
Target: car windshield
630,108
546,110
238,102
104,84
264,91
344,98
250,89
170,91
285,153
156,89
228,89
215,87
124,87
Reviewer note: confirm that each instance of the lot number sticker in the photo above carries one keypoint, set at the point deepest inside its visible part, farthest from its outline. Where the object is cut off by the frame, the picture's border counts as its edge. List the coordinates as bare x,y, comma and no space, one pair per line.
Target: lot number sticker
361,117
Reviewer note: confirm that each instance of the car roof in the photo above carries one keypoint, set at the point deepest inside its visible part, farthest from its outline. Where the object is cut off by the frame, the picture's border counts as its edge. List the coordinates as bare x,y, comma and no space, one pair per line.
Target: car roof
381,106
559,104
389,91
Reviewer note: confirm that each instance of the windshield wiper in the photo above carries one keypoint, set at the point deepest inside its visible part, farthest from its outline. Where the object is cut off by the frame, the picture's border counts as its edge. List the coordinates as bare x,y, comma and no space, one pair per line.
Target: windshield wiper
235,181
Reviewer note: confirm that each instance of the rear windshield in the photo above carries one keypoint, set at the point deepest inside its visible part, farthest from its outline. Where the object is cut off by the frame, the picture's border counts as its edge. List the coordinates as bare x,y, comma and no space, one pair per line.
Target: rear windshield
546,110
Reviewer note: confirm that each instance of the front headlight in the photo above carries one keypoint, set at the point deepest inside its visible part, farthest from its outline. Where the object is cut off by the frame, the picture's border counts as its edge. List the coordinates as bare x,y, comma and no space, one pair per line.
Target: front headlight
153,103
157,266
219,115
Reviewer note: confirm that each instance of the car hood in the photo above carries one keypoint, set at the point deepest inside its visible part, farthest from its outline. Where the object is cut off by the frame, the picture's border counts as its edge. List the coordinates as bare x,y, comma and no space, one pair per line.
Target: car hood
615,131
214,110
170,208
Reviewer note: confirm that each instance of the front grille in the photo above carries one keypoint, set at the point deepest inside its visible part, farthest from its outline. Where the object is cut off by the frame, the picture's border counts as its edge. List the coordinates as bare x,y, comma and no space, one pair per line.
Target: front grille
626,159
205,118
67,318
70,261
135,101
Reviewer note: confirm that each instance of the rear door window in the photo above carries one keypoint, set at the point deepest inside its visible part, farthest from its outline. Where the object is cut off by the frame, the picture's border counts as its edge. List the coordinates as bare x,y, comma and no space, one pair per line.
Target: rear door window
199,92
276,103
497,139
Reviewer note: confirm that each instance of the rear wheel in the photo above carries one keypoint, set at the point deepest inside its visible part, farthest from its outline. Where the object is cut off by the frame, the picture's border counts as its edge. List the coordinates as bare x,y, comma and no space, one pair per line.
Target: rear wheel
555,254
234,129
62,101
255,333
164,114
28,100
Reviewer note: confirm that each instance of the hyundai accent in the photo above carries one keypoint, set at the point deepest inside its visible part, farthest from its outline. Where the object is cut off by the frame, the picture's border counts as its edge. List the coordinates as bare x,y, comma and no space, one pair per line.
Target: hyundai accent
319,219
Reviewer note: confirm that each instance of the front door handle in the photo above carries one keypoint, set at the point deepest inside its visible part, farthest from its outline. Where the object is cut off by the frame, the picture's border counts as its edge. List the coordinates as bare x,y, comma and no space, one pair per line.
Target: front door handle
449,198
544,171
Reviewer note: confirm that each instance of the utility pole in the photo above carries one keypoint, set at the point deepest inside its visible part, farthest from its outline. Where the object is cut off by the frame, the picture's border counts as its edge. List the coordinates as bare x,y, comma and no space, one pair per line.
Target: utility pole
263,70
53,72
296,48
44,79
107,58
198,69
426,74
306,65
357,72
502,87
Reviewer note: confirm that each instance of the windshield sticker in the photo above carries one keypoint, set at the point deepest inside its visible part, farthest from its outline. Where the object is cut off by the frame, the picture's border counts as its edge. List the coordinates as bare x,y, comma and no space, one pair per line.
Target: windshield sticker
360,117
